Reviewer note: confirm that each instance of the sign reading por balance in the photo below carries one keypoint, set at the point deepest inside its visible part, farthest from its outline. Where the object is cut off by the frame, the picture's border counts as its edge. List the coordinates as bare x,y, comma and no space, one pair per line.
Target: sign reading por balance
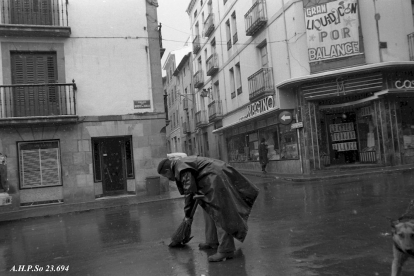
260,106
142,104
332,30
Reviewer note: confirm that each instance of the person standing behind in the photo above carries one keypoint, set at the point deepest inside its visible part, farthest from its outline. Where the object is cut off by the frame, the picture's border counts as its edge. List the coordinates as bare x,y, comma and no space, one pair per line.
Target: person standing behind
263,154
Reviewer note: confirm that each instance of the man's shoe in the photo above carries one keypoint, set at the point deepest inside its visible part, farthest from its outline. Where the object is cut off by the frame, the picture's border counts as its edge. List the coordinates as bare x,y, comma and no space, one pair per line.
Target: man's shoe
207,246
220,257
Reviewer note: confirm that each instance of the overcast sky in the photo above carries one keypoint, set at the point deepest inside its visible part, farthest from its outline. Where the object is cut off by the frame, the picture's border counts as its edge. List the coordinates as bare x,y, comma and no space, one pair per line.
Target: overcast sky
175,24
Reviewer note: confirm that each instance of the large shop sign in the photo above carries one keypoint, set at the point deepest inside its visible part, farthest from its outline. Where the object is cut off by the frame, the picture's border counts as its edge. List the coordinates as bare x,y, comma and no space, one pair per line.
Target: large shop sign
402,80
260,106
332,30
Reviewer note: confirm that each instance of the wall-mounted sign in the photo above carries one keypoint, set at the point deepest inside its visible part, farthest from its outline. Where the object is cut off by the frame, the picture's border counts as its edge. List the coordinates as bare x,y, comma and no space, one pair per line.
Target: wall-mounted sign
285,117
142,104
260,106
296,125
332,30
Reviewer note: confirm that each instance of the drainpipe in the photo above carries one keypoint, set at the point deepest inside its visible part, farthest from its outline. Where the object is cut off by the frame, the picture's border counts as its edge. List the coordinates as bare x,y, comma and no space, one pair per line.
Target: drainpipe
377,18
286,39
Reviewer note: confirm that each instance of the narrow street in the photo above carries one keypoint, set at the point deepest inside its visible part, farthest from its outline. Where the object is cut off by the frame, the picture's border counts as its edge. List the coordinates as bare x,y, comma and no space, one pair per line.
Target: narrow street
338,227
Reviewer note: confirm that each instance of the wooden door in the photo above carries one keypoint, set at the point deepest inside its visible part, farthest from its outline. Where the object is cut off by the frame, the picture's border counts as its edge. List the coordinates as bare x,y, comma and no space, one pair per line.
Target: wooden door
113,171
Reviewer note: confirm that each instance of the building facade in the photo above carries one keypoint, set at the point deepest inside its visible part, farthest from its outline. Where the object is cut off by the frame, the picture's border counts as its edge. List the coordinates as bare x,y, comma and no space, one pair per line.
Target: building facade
82,110
322,83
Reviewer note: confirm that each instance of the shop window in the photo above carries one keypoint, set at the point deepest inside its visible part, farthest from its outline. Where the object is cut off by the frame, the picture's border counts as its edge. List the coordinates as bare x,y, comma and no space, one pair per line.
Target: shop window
253,145
407,115
236,146
288,143
271,135
39,164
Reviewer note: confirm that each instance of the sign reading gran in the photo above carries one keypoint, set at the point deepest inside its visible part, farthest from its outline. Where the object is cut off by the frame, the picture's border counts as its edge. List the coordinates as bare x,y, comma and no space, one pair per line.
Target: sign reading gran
332,30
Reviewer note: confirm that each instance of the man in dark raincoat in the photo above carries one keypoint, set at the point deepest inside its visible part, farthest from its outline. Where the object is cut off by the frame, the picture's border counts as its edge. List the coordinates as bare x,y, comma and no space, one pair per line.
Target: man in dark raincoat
227,202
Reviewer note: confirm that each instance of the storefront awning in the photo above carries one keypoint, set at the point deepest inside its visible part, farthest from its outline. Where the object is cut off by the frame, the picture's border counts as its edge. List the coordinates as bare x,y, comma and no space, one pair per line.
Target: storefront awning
353,70
247,120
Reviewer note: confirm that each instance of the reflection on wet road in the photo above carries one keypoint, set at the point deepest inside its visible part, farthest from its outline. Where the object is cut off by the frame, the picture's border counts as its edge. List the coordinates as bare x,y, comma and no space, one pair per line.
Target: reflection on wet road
318,228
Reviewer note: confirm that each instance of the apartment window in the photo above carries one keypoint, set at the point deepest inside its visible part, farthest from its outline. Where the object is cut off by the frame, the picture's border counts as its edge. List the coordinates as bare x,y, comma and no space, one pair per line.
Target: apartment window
33,12
210,7
228,35
216,91
234,28
238,79
205,54
39,164
263,54
201,2
199,63
34,68
195,14
224,2
232,88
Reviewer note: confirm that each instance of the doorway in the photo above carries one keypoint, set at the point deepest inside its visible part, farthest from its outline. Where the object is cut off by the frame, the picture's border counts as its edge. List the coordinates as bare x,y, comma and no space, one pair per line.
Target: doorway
342,138
113,163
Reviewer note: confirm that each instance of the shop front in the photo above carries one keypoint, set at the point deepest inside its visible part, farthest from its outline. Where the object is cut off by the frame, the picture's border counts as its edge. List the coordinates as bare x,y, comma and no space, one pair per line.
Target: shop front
357,117
262,120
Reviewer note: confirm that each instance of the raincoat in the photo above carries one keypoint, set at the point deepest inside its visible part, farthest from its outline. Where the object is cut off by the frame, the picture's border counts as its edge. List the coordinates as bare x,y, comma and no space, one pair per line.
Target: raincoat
228,195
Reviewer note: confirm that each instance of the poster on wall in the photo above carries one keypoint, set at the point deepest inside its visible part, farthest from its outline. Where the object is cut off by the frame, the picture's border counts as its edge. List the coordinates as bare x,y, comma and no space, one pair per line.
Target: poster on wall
332,30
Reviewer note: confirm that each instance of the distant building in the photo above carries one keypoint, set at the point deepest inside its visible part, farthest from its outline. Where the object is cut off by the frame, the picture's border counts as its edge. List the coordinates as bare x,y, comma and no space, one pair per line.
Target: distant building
318,81
82,109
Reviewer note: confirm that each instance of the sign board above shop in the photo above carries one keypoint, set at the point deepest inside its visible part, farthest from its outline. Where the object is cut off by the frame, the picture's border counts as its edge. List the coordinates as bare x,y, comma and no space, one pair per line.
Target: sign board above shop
260,106
332,30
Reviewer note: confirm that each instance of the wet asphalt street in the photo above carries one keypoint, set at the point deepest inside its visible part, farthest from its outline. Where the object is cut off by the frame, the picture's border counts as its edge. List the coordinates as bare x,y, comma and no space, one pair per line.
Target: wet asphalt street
330,228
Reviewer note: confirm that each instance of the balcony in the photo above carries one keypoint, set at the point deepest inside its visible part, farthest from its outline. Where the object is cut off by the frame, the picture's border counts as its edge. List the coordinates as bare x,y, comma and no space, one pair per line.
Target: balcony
198,79
411,46
196,45
215,111
185,103
51,103
261,84
46,18
201,119
255,18
212,65
186,128
208,25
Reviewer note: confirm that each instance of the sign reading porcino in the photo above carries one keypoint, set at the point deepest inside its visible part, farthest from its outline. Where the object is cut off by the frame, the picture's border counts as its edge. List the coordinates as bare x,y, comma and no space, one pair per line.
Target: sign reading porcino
258,107
332,30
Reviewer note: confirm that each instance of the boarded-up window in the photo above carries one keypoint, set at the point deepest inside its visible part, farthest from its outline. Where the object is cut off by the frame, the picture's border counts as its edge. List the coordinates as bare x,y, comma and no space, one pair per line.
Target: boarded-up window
39,164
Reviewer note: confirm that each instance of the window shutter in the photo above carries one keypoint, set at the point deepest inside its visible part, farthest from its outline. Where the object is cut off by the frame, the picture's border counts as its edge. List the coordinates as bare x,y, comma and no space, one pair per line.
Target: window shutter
40,167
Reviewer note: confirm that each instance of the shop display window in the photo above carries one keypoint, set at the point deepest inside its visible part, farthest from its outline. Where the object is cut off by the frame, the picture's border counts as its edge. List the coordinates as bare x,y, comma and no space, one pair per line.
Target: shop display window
407,112
236,146
253,146
366,130
288,143
271,136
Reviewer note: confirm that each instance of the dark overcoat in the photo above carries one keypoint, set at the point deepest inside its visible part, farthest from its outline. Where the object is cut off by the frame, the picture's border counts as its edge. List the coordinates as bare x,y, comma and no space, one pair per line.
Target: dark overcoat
228,195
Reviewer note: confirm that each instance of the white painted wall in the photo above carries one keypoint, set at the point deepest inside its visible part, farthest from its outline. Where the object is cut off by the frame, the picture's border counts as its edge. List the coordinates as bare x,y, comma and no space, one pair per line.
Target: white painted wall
111,72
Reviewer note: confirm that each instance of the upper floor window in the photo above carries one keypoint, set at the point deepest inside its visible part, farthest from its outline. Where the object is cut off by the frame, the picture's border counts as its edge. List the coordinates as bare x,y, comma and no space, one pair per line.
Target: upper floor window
195,14
234,27
34,12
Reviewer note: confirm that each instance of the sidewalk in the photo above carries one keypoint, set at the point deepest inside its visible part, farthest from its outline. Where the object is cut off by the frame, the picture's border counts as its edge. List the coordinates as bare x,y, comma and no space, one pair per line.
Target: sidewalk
332,173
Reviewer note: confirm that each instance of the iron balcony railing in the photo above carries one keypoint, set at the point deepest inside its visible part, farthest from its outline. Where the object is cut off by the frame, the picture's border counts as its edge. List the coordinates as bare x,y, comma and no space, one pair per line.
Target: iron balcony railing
256,17
35,12
215,111
198,79
261,84
186,128
30,100
196,45
208,25
201,118
411,46
212,65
